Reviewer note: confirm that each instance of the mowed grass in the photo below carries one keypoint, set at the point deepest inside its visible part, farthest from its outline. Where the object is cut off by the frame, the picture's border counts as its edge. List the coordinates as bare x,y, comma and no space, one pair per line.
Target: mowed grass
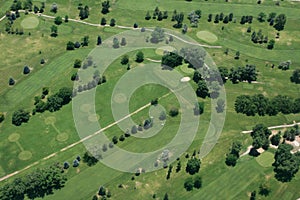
30,22
266,159
207,36
217,178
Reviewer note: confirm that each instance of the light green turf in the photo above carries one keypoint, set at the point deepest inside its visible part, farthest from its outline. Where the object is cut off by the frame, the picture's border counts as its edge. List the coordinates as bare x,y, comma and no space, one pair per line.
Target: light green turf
265,159
207,36
30,22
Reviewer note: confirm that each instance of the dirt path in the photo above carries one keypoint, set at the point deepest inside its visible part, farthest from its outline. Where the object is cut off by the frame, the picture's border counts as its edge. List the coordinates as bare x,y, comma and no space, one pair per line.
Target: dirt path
277,127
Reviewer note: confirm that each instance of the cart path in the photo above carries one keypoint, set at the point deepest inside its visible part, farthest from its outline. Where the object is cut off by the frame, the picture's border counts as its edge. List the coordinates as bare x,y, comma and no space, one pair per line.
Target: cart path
277,127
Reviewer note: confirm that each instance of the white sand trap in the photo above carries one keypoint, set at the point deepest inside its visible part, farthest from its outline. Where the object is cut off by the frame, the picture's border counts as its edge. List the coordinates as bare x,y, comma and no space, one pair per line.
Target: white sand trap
185,79
296,143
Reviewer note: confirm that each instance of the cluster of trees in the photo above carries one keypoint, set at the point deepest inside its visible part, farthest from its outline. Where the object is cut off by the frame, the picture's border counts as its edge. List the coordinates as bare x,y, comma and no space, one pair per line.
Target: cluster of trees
199,108
193,166
54,102
295,78
221,17
97,80
260,135
89,159
240,74
246,19
37,184
83,11
258,37
157,35
104,193
105,7
103,22
72,45
278,22
290,134
234,154
171,59
194,18
191,183
9,28
178,17
27,5
261,105
20,116
157,14
286,164
116,43
285,65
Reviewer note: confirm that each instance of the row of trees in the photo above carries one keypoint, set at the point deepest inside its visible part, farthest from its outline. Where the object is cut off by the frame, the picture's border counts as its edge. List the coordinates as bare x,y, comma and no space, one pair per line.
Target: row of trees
221,17
72,45
104,21
37,184
261,105
157,14
240,74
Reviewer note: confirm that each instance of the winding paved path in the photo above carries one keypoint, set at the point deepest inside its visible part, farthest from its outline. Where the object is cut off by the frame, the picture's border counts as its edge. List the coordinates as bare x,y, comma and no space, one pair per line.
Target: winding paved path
277,127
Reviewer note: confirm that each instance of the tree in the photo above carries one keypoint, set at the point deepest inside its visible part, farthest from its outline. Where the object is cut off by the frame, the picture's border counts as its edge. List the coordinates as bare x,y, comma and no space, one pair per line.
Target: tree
209,18
2,117
66,165
253,195
271,44
103,21
20,116
220,105
166,197
84,12
193,166
65,93
53,31
116,43
77,45
58,20
171,60
260,135
89,159
115,139
102,191
77,63
295,78
284,65
197,76
197,182
54,103
202,90
184,29
264,189
189,184
280,21
85,41
112,22
178,167
148,16
99,40
123,41
125,60
66,18
157,35
139,57
231,159
179,19
261,17
199,108
105,7
216,19
237,55
26,70
70,45
54,8
173,112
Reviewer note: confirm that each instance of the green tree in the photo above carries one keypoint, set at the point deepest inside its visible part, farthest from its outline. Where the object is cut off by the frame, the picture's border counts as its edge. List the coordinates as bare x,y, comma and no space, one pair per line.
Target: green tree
99,40
148,16
20,116
179,19
85,41
77,63
112,22
199,108
260,135
202,90
166,197
116,43
264,189
231,159
271,44
70,45
139,57
295,78
2,117
189,184
66,18
105,7
197,182
193,166
58,20
220,105
123,41
125,60
261,17
54,103
102,191
103,21
157,35
173,112
54,31
171,60
280,21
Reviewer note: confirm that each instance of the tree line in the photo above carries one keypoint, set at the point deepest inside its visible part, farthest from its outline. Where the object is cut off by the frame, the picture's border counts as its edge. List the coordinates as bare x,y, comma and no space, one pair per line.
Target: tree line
261,105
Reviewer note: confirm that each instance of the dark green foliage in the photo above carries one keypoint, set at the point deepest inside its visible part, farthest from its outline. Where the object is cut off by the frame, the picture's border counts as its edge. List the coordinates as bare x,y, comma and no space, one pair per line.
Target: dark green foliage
99,40
271,44
173,112
295,78
199,108
166,197
275,139
260,135
209,18
220,105
66,18
37,184
58,20
74,76
112,22
2,117
193,166
189,184
122,138
20,116
261,17
202,90
197,182
89,159
148,16
139,57
123,41
54,31
178,167
70,45
253,195
264,189
231,160
11,81
154,102
116,43
77,63
105,7
233,155
103,21
280,21
284,65
179,19
26,70
84,12
85,41
54,8
197,76
125,60
286,164
102,191
171,60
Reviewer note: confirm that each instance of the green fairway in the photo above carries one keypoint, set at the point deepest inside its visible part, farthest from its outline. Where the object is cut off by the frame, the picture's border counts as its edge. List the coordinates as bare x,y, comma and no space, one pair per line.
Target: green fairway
266,159
100,112
30,22
207,36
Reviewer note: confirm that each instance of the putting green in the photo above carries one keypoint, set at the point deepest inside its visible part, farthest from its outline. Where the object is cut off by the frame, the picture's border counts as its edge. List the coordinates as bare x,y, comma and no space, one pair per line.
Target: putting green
185,69
207,36
93,118
62,137
161,50
14,137
30,22
265,159
50,120
25,155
